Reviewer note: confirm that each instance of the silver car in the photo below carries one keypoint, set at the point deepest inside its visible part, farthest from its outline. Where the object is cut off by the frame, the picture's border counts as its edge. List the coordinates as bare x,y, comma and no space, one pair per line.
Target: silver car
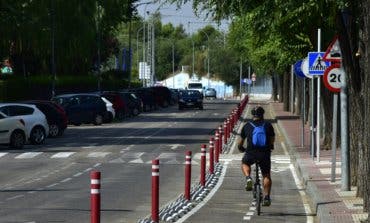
210,93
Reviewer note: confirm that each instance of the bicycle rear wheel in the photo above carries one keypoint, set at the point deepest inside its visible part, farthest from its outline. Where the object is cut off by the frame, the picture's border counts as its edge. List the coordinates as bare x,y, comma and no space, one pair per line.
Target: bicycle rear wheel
258,199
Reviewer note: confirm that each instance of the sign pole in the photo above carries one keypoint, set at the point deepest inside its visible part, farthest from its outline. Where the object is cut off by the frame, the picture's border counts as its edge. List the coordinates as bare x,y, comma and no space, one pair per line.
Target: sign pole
303,109
291,88
334,137
318,101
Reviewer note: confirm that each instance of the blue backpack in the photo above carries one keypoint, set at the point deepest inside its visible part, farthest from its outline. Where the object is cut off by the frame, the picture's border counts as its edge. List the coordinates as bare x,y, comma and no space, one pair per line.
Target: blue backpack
259,136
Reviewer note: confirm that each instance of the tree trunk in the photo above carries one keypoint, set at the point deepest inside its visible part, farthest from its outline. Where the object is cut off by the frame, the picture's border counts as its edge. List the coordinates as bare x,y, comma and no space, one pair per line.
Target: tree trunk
274,87
364,62
286,89
327,106
280,87
298,96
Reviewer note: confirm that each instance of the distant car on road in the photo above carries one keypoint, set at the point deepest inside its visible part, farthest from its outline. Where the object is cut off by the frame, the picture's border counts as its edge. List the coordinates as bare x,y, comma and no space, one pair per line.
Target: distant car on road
37,128
196,86
210,93
12,131
190,99
83,108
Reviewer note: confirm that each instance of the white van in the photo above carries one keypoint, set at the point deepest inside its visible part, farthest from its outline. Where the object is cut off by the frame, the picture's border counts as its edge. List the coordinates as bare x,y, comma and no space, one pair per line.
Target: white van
196,86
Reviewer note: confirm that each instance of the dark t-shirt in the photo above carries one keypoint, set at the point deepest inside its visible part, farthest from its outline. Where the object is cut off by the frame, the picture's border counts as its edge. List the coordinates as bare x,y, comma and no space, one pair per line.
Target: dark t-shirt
247,132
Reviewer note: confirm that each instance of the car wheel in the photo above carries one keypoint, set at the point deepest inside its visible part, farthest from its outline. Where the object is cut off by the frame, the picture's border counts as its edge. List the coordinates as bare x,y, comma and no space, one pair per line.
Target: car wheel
120,115
53,130
17,139
135,111
37,135
98,119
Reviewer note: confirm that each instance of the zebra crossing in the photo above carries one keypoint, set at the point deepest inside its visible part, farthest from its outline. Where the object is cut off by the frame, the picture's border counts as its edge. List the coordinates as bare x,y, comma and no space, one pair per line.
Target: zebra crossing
129,157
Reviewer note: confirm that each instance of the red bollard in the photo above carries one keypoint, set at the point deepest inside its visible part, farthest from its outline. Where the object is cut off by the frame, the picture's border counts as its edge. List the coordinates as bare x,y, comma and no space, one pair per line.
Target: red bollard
217,143
220,138
95,197
225,133
211,156
155,190
203,165
187,175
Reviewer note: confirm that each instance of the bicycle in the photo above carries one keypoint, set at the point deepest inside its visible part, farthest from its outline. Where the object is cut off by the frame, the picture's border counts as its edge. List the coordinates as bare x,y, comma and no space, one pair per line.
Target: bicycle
257,190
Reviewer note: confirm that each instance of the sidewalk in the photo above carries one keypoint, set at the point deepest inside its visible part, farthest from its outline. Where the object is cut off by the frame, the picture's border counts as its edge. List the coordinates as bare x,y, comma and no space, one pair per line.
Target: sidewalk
329,203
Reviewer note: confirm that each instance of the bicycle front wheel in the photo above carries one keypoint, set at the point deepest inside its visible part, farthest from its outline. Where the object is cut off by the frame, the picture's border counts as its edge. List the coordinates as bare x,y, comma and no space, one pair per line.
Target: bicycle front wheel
258,199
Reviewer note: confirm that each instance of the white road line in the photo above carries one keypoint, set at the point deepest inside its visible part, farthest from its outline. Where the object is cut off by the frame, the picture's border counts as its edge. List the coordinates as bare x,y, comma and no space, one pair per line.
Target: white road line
78,174
62,155
52,185
300,187
28,155
98,154
3,154
247,218
15,197
210,195
98,164
66,180
88,169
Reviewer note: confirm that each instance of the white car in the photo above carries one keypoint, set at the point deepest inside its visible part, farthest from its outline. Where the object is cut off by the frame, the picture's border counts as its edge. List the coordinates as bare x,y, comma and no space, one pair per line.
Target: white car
37,128
110,110
12,131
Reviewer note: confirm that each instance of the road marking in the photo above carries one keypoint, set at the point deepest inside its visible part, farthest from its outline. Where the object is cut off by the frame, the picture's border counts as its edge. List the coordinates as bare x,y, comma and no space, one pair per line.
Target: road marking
52,185
28,155
300,187
62,155
98,154
15,197
3,154
78,174
66,180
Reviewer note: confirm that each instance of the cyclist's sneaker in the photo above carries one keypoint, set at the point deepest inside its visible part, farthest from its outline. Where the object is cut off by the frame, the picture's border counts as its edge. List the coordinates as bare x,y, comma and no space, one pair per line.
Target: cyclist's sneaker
266,201
249,185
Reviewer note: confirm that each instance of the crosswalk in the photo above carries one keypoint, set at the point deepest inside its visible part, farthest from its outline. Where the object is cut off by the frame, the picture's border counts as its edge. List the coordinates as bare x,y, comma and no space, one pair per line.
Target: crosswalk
129,157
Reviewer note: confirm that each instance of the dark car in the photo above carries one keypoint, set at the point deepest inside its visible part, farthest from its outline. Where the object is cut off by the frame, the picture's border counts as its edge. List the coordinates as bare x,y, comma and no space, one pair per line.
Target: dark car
174,96
55,115
190,99
82,108
162,95
134,103
147,97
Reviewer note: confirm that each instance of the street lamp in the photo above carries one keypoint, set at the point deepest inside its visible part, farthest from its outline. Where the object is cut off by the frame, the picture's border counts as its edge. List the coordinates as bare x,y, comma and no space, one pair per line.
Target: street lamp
208,75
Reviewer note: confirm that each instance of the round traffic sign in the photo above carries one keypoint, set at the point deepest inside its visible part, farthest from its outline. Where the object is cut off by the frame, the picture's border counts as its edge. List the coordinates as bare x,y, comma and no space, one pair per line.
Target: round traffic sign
332,78
304,68
298,69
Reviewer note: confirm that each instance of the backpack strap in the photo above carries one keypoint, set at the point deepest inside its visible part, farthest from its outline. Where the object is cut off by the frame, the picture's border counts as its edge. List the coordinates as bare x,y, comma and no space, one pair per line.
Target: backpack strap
252,125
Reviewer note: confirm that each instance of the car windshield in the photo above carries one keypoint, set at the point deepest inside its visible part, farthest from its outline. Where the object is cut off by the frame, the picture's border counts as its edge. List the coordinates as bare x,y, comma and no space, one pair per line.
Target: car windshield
195,85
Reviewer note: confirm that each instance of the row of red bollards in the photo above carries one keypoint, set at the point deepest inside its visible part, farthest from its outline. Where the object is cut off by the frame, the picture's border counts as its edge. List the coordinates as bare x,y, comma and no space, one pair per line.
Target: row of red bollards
216,144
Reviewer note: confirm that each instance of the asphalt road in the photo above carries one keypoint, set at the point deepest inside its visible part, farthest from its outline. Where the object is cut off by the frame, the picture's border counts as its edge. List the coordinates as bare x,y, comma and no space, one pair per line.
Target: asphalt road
51,183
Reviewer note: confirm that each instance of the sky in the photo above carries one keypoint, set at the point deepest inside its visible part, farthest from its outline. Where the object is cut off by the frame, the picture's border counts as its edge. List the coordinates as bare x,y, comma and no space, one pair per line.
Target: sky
184,15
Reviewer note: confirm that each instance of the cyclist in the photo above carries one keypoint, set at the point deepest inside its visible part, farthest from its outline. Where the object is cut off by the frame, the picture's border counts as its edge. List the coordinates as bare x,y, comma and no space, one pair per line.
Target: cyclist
254,153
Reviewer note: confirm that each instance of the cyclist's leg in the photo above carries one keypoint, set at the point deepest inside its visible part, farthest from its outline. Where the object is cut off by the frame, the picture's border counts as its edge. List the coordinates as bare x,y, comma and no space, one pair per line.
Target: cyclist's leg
247,161
265,165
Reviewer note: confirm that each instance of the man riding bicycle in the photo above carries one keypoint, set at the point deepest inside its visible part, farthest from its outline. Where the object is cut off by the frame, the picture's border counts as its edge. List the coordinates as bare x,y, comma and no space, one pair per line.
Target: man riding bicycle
258,136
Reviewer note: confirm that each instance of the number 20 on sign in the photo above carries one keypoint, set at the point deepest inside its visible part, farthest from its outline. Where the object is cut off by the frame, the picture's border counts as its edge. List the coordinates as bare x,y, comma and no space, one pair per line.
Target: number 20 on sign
332,78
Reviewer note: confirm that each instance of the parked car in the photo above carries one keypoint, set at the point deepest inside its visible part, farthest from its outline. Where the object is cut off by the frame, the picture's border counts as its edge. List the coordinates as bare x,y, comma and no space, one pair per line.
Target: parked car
110,113
82,108
190,99
210,93
37,128
134,103
119,105
147,97
55,115
174,96
162,95
12,131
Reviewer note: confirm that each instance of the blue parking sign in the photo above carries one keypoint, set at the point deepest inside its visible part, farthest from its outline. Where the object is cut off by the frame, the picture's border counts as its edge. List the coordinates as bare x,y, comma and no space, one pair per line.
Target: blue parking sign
316,65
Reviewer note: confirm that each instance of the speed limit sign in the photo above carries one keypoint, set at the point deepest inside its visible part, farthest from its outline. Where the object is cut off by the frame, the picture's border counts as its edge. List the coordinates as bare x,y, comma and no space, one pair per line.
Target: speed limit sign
332,78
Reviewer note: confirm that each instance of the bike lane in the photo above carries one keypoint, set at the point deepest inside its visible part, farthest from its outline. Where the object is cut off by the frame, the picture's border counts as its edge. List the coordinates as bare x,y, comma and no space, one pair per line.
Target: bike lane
229,202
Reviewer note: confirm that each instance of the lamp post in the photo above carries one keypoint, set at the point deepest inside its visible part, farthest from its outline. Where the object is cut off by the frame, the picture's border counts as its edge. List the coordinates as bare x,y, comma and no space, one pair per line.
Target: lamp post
208,75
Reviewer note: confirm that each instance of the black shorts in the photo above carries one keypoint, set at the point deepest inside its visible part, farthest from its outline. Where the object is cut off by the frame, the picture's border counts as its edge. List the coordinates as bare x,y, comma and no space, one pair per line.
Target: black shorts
264,157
